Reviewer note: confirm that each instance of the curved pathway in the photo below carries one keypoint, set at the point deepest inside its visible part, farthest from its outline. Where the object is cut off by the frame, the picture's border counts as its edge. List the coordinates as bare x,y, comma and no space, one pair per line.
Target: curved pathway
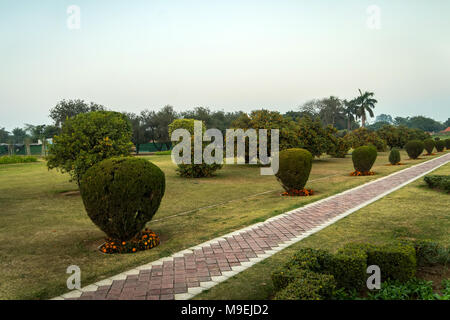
189,272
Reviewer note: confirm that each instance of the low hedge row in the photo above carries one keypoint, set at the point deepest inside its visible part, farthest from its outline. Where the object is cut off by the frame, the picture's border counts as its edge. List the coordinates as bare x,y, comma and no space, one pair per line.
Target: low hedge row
438,181
317,274
17,159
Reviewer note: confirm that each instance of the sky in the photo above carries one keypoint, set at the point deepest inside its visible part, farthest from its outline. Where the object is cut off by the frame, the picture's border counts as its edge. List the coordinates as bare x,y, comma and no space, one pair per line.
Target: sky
226,55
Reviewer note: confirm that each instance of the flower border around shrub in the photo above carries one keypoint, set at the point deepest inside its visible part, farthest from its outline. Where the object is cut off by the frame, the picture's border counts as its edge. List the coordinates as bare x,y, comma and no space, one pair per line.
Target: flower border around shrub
144,240
359,174
298,193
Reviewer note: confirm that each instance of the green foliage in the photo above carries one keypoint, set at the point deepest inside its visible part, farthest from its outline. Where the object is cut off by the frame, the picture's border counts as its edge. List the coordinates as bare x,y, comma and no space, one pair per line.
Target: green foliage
362,137
429,145
66,109
338,146
348,267
163,153
394,156
295,167
438,181
414,148
308,285
363,158
397,261
87,139
447,143
430,253
440,145
313,137
122,194
413,289
17,159
193,170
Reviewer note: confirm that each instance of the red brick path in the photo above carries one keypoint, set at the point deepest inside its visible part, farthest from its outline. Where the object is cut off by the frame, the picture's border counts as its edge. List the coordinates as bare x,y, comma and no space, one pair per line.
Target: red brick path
187,273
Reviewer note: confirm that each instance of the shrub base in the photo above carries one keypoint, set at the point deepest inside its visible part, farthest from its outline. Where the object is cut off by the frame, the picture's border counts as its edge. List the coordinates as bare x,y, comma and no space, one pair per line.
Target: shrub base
365,173
144,240
298,193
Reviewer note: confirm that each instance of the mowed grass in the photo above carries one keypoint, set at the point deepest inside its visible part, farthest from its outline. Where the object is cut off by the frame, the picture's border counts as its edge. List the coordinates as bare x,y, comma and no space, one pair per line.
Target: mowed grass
412,212
44,229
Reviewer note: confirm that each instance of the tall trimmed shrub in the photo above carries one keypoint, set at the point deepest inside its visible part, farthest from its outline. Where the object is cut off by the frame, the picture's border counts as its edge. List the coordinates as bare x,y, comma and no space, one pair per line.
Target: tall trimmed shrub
429,145
440,145
414,148
447,143
122,194
363,158
295,167
394,156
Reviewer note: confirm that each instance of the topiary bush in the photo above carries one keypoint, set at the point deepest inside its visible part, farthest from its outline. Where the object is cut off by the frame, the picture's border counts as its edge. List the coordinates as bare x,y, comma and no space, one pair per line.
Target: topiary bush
429,145
440,145
349,268
394,156
414,148
295,167
308,285
447,143
363,158
122,194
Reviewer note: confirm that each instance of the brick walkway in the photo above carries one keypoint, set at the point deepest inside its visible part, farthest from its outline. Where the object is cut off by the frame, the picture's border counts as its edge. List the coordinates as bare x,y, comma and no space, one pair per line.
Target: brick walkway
189,272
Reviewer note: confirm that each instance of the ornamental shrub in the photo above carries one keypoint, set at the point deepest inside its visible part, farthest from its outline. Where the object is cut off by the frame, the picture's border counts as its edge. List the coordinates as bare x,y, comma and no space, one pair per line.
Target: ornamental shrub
308,285
394,156
349,268
429,145
87,139
122,194
295,167
447,143
440,145
17,159
438,181
193,170
397,261
414,148
363,158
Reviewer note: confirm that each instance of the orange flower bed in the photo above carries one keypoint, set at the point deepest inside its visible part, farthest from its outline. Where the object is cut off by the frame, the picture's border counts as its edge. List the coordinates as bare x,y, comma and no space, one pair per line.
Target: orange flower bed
298,193
365,173
144,240
397,164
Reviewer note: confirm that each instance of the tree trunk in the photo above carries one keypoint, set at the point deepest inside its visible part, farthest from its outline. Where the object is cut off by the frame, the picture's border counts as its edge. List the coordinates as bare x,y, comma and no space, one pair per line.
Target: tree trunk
137,148
349,125
363,119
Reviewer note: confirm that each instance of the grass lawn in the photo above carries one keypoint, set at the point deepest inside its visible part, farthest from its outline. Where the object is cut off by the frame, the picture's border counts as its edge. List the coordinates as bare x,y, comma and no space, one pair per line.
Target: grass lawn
44,229
414,212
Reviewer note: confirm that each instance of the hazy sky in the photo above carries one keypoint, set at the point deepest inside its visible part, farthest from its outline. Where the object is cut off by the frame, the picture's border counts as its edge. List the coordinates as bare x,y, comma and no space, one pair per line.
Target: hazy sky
231,55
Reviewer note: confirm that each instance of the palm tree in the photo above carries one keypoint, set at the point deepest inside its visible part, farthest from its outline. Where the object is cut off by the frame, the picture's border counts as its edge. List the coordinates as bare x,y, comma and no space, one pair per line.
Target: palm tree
350,112
364,103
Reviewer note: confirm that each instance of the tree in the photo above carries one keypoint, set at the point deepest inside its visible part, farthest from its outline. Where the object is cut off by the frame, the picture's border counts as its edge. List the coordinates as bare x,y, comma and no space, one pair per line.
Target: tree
4,135
365,103
87,139
350,112
66,109
384,118
312,136
447,123
331,110
140,135
19,135
156,125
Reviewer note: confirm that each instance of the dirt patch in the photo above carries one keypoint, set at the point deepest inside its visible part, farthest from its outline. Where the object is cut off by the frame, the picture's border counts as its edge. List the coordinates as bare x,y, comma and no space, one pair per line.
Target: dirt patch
436,274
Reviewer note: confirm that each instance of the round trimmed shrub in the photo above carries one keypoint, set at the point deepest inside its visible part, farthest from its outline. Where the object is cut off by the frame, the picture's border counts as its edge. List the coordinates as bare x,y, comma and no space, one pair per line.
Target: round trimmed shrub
394,156
363,158
429,145
447,143
440,145
122,194
414,148
295,167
